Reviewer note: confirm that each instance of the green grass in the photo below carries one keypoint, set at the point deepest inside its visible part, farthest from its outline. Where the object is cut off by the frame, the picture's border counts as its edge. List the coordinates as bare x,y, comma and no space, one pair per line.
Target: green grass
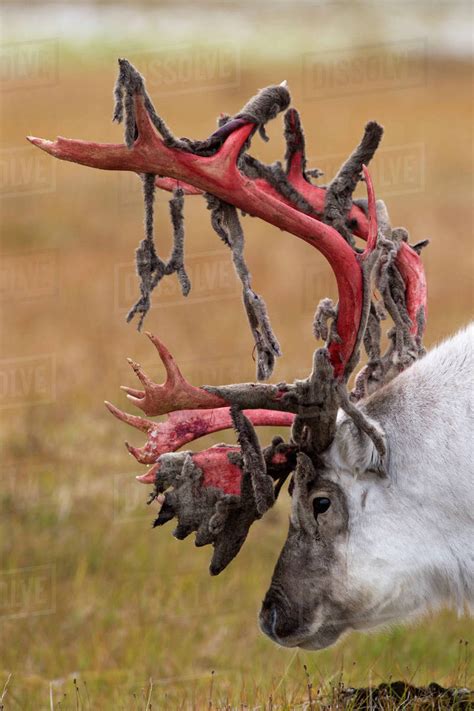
132,604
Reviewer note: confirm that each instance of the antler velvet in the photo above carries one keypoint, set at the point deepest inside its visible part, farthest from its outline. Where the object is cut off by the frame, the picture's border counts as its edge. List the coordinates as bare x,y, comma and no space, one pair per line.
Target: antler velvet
219,492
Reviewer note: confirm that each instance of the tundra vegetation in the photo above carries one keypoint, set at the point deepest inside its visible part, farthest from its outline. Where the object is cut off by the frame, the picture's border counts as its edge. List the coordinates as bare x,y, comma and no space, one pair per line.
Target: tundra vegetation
122,602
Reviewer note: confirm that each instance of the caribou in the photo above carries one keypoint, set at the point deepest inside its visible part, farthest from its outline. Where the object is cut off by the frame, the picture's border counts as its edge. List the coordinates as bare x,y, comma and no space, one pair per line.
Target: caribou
379,466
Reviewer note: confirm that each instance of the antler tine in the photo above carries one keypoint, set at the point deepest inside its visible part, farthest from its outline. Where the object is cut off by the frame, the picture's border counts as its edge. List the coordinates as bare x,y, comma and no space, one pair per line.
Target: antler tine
185,426
173,373
174,394
140,423
140,373
298,175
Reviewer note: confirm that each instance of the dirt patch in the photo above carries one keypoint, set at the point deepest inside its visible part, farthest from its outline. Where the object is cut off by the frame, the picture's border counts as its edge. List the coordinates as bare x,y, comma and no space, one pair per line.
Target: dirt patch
401,695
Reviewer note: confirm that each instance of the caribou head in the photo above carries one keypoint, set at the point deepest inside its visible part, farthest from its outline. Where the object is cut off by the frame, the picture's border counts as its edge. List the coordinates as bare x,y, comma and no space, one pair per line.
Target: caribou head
344,534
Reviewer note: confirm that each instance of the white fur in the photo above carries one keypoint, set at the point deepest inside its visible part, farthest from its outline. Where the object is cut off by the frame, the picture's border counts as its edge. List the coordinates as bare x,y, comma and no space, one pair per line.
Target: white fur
410,547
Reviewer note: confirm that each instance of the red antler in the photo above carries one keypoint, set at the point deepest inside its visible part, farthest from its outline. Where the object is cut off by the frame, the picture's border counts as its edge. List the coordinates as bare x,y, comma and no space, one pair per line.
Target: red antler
219,492
218,470
407,260
219,175
175,393
182,427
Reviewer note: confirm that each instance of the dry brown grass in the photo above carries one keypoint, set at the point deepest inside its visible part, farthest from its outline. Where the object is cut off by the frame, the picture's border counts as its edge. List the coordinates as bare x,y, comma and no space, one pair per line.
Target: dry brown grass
131,604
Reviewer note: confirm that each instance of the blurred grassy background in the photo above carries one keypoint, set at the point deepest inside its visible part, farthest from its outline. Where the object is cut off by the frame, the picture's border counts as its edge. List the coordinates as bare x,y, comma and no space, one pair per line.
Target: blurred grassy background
86,589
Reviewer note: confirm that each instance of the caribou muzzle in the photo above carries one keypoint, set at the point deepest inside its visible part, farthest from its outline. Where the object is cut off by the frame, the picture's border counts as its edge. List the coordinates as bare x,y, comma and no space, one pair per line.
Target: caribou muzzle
280,621
292,626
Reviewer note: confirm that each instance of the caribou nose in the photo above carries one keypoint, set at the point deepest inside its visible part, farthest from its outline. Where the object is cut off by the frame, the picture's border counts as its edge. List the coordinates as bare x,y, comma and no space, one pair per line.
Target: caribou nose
279,619
268,619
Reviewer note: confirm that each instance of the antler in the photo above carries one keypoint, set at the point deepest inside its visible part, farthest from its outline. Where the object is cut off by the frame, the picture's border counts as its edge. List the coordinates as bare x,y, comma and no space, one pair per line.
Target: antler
219,492
185,426
219,174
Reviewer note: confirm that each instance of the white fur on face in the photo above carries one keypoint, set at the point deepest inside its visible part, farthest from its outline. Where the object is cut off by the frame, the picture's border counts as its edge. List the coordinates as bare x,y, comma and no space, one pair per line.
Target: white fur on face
410,543
406,543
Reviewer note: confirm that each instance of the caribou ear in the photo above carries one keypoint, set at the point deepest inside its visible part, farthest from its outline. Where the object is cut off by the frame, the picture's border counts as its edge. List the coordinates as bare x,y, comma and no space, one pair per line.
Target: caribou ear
354,450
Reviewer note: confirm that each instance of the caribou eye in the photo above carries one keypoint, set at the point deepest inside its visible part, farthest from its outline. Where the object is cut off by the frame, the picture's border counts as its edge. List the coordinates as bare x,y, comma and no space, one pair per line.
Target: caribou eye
320,505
